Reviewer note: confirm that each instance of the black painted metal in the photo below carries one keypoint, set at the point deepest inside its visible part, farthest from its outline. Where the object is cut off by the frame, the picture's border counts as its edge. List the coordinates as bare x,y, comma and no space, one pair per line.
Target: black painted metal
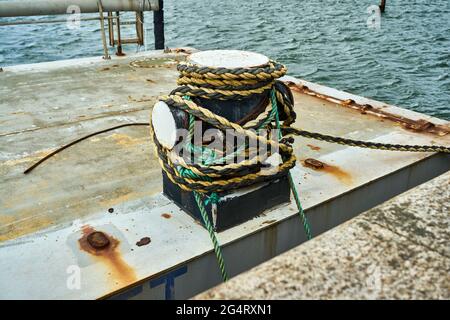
233,210
158,22
236,110
246,205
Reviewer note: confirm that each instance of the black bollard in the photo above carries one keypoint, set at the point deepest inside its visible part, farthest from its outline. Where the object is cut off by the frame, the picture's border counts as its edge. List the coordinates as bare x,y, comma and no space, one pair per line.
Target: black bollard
235,206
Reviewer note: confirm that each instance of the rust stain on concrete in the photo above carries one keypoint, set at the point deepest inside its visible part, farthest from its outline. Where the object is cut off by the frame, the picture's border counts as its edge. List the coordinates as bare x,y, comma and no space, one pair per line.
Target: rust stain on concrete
335,171
109,255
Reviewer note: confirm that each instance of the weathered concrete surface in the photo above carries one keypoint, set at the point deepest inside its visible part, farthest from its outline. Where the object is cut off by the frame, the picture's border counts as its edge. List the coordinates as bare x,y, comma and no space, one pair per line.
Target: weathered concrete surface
44,214
398,250
47,105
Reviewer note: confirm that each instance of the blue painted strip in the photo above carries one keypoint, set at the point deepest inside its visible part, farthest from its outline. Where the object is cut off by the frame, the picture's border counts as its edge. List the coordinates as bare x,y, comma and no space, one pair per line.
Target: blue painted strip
129,293
169,280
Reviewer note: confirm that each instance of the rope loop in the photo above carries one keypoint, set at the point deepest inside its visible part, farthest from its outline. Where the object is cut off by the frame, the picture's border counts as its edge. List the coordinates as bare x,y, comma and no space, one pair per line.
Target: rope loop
215,171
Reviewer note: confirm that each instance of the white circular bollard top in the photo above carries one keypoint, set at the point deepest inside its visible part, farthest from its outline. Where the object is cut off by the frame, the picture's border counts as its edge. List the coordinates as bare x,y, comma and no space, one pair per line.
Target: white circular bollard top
164,125
228,59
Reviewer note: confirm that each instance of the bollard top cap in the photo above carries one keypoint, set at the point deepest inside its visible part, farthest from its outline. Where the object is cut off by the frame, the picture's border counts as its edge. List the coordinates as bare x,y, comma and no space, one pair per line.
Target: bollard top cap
164,125
228,59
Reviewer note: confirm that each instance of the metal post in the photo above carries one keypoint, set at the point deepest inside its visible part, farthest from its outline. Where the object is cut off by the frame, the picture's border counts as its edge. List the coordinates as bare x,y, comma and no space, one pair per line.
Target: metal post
119,51
158,21
102,28
111,29
140,27
382,5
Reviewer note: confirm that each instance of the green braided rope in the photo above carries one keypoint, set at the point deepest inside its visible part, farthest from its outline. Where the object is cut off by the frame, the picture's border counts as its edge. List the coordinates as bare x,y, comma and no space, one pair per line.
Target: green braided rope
207,155
210,154
212,235
213,199
301,213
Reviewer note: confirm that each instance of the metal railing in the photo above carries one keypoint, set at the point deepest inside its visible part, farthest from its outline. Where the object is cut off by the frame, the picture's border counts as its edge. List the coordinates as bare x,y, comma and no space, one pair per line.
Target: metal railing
21,8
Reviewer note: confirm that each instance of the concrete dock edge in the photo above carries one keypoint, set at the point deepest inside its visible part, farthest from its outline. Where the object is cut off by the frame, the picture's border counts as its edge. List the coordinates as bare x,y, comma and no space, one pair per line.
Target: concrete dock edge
397,250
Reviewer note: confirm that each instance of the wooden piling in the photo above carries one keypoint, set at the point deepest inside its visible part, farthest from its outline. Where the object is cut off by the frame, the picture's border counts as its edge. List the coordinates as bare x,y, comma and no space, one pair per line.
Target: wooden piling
382,5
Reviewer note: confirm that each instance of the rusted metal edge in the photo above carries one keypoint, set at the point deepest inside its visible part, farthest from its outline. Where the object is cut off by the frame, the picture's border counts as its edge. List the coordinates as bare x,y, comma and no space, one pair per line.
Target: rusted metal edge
420,125
180,50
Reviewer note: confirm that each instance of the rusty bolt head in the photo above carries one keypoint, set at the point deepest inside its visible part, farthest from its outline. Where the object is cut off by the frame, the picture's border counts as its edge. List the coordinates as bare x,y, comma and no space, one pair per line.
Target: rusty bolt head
98,240
313,163
143,242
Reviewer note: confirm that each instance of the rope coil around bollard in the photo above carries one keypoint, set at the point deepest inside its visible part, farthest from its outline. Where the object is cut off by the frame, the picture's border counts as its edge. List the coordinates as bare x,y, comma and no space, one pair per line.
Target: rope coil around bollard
203,82
211,173
208,177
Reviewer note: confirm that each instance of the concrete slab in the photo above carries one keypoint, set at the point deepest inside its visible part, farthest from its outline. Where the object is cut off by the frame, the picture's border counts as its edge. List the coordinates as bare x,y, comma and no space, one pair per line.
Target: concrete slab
44,214
44,106
398,250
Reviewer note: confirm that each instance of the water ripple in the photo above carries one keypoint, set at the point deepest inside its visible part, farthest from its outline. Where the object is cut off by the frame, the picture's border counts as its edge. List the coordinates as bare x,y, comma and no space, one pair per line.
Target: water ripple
405,62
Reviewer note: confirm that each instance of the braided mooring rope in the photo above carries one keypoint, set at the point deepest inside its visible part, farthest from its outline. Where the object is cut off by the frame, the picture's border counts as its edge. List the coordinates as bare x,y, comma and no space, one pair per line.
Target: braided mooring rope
210,174
364,144
198,82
